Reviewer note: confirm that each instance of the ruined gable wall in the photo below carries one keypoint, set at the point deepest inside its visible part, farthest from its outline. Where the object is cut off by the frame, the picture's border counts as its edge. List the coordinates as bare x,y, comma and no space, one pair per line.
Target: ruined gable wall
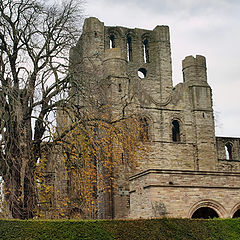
114,55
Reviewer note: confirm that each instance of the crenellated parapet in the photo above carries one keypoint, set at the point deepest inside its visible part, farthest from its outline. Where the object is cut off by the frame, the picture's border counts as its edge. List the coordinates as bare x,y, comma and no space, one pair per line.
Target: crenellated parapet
194,69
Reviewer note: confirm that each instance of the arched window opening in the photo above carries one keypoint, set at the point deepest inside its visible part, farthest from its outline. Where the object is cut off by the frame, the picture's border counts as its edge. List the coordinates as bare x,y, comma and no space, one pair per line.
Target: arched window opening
228,151
146,51
236,214
144,129
175,131
112,41
205,212
129,49
142,73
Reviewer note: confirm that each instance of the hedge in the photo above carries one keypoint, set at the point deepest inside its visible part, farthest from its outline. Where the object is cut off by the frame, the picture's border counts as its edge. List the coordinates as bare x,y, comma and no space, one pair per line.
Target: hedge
151,229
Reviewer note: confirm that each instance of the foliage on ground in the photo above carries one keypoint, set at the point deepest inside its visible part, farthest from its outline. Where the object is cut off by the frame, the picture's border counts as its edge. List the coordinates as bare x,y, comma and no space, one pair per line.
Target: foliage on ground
155,229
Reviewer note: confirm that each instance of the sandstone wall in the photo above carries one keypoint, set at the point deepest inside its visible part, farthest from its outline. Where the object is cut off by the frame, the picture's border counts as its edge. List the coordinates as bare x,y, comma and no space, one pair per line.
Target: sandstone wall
158,193
135,67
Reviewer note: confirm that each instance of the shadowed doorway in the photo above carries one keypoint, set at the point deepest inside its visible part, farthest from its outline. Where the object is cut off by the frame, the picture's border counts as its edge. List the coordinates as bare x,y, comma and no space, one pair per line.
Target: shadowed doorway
205,212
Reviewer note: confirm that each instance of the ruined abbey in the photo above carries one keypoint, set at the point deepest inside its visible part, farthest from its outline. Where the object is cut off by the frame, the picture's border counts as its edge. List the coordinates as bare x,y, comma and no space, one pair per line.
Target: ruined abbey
189,172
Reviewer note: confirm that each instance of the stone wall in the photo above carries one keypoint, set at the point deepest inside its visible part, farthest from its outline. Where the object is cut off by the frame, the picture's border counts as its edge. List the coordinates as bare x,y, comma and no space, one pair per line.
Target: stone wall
172,193
135,66
228,149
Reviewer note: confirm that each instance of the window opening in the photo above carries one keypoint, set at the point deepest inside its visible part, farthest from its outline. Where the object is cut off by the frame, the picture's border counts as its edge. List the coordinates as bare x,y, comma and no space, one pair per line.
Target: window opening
129,49
175,131
145,51
142,72
228,151
144,129
119,87
111,41
205,212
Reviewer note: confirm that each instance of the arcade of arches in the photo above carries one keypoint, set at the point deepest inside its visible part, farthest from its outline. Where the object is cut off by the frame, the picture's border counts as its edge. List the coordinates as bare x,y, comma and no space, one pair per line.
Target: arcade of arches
209,213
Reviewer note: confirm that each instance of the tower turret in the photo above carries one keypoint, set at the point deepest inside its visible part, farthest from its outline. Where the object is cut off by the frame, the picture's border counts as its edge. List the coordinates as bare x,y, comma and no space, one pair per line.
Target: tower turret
194,69
200,95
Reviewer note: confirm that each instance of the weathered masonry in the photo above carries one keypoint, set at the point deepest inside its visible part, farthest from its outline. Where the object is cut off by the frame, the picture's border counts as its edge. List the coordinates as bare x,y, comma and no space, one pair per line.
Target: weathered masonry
189,172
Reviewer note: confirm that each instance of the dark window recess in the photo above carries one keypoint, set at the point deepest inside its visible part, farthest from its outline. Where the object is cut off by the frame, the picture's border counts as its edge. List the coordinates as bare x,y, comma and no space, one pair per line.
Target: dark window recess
175,131
205,212
119,87
146,51
112,41
228,151
144,129
129,49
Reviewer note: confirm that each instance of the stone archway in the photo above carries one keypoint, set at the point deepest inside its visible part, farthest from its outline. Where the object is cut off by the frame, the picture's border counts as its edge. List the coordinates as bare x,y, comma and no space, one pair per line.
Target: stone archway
207,209
235,212
205,212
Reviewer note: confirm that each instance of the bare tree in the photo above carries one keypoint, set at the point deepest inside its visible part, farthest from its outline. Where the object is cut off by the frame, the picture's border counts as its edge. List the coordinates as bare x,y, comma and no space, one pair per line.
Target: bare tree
35,38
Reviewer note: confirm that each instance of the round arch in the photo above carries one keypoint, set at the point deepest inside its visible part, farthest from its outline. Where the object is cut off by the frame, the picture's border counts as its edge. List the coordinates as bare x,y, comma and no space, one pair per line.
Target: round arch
180,121
207,203
146,36
113,37
235,212
228,150
205,212
150,121
115,31
132,34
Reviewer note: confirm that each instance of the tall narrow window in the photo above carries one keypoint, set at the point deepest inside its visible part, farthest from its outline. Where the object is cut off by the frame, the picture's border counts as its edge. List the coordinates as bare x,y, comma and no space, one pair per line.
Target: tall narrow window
146,51
111,41
228,151
144,129
129,49
119,87
175,131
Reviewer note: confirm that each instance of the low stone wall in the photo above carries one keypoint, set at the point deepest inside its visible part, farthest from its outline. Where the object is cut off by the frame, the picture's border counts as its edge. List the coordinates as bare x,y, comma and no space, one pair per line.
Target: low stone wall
179,193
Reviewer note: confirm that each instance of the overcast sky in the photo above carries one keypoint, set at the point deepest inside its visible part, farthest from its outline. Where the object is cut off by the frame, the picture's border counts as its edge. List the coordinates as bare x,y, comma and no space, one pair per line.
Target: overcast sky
204,27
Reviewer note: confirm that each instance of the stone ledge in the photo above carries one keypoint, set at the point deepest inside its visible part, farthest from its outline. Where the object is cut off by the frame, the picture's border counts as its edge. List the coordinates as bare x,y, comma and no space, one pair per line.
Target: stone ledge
186,186
182,172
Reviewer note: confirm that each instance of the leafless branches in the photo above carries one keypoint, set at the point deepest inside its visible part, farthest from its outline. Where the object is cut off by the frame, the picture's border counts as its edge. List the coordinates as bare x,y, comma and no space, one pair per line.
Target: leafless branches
35,38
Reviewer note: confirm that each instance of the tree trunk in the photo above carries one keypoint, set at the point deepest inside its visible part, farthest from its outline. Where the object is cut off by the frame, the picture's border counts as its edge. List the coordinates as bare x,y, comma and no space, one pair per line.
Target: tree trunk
20,193
19,178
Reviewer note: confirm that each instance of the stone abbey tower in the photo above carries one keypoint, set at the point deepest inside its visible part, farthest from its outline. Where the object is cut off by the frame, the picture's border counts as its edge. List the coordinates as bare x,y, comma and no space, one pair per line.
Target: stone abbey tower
189,172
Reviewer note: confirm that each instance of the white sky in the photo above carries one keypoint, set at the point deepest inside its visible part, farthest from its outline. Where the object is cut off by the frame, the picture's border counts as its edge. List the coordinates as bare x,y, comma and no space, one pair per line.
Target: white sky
205,27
